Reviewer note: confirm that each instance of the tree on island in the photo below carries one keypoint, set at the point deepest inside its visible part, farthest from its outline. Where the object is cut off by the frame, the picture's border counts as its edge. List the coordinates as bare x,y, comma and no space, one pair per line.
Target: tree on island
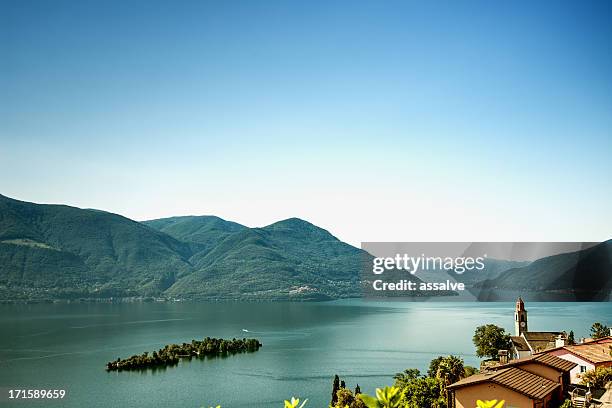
171,353
489,339
599,331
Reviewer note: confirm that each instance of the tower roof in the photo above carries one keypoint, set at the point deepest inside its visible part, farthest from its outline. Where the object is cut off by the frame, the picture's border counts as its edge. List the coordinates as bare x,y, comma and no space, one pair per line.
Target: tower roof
520,305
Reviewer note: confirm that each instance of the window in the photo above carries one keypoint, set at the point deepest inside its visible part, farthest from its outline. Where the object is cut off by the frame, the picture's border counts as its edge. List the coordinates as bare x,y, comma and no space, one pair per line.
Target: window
583,369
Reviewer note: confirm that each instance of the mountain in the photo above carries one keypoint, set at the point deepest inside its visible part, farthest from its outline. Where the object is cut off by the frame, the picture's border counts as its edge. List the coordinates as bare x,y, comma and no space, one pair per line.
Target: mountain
289,257
580,275
203,232
50,252
60,252
57,250
493,268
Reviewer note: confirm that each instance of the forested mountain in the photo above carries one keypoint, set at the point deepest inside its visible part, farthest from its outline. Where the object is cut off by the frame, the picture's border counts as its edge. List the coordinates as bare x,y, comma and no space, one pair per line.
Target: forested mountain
290,256
581,275
205,231
57,251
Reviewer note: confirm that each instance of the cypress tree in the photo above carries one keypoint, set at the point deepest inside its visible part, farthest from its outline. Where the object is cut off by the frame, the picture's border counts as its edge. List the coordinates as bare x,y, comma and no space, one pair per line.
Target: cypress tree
335,388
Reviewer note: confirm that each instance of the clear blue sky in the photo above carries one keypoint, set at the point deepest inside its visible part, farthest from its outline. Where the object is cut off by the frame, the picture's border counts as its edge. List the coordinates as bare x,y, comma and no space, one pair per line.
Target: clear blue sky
377,120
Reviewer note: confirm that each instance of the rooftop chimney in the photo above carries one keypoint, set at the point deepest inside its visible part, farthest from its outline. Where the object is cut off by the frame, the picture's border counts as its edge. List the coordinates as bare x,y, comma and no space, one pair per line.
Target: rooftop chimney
560,341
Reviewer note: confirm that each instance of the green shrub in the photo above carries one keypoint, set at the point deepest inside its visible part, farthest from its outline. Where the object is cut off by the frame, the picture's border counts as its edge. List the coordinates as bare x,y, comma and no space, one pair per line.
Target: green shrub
346,399
388,397
597,378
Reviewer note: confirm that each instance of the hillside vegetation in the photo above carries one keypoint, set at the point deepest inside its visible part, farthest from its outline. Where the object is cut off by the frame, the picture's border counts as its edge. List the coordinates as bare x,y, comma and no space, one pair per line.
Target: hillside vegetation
61,252
50,252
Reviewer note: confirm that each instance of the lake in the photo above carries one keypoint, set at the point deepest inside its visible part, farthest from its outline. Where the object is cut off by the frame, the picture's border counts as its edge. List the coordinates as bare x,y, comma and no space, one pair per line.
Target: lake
66,346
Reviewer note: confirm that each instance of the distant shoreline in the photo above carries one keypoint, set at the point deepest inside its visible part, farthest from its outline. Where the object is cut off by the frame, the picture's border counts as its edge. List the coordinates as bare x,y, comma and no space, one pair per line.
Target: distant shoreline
531,296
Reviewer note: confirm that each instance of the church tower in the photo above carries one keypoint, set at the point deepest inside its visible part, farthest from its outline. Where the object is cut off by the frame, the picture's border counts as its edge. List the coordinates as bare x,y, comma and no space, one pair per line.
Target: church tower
520,318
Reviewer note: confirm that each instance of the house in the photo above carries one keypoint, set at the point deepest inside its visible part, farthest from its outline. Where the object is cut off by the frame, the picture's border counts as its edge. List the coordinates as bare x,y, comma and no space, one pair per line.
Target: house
532,382
587,356
548,366
525,342
519,388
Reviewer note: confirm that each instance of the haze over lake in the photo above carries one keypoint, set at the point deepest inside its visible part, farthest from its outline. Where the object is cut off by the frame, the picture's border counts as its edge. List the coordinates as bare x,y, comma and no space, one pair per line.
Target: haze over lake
304,344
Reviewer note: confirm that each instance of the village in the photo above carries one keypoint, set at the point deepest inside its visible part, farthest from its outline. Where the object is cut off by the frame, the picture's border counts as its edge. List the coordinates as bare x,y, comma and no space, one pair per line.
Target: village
542,370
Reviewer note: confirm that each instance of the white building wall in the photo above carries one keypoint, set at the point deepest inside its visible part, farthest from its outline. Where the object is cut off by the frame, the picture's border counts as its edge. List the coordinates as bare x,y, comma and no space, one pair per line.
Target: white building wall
583,365
522,354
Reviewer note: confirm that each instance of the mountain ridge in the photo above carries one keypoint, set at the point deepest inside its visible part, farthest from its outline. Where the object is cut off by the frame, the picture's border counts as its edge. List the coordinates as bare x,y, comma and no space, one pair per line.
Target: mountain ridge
582,275
54,251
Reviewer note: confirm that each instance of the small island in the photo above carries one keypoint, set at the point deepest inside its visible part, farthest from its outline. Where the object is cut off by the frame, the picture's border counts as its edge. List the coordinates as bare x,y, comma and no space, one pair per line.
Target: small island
171,353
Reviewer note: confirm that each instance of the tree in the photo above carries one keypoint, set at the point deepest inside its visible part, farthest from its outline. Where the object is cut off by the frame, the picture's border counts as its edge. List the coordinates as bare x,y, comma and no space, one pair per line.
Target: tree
424,392
335,389
403,379
469,371
599,331
597,378
430,391
433,366
489,339
570,338
450,370
347,399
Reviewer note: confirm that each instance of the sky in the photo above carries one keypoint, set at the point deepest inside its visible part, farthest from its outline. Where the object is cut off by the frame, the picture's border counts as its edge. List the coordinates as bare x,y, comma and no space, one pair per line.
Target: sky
377,120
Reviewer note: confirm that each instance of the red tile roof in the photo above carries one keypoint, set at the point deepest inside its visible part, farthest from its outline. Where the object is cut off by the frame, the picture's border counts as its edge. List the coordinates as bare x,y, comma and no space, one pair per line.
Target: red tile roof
545,359
513,378
540,341
595,351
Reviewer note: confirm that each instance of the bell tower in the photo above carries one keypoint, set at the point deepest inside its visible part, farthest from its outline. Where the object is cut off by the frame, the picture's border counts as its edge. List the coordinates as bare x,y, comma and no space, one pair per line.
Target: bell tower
520,318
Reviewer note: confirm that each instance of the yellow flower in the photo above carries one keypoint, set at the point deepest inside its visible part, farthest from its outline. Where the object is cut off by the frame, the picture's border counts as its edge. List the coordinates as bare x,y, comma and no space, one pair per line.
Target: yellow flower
490,404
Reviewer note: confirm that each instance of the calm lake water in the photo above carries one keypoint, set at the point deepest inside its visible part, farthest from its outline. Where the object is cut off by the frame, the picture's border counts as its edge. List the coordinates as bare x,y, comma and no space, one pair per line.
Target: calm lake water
305,344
